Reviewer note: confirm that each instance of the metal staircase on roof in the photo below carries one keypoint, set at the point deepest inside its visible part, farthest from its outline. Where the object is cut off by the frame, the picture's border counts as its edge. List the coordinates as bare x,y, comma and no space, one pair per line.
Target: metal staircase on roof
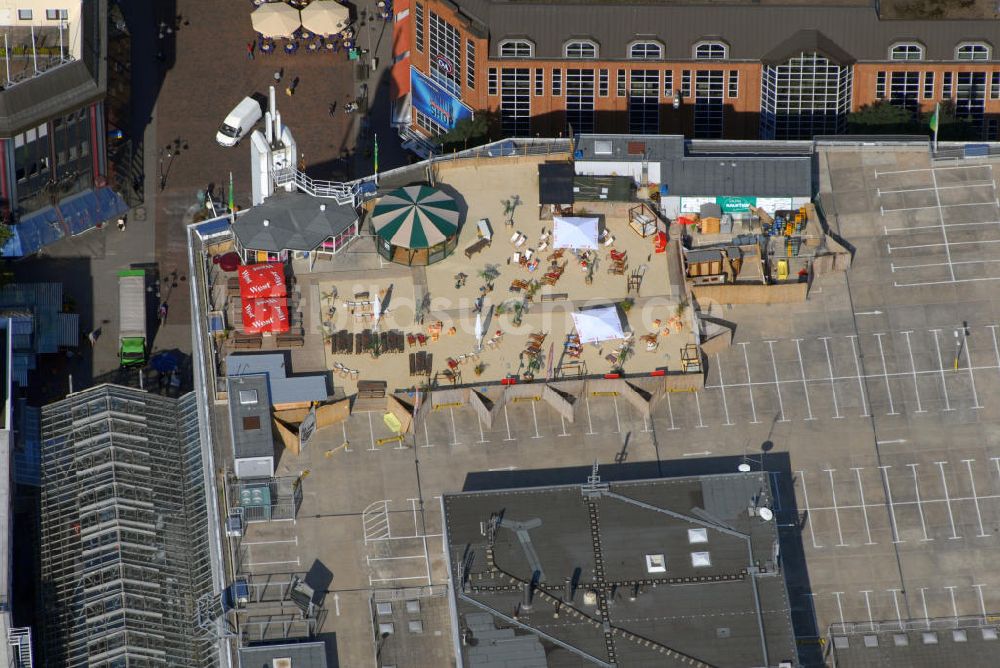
343,193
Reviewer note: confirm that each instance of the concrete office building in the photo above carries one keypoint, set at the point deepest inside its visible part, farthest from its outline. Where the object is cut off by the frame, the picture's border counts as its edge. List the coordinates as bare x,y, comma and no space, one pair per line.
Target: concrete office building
53,83
740,69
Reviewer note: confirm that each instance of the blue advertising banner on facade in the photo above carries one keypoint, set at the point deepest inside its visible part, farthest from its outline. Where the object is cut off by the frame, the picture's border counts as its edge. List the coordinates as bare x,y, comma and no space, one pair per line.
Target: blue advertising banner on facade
433,101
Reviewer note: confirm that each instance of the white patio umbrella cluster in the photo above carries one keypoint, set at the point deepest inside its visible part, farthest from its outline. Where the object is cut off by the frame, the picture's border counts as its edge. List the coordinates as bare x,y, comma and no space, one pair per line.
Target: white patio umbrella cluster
325,17
598,324
574,232
275,19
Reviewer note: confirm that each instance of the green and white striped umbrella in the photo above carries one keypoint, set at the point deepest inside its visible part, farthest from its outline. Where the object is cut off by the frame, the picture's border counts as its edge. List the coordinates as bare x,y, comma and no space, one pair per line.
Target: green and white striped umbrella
415,217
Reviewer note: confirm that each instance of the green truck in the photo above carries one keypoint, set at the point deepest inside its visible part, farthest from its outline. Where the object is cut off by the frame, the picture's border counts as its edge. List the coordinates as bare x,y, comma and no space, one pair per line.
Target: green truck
132,317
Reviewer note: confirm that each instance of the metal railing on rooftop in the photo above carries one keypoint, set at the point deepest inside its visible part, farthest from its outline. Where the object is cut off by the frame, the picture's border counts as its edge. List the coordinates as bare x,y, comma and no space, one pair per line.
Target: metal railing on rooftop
935,624
343,193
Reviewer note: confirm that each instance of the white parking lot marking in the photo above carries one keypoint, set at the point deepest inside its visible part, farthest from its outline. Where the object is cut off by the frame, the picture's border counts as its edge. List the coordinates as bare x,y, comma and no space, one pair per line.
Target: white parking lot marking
864,506
753,408
833,386
913,370
868,605
722,386
968,363
944,385
920,508
975,497
805,499
670,411
534,418
618,422
802,372
454,431
857,369
777,387
885,374
982,601
840,607
895,601
954,604
506,421
590,422
923,597
836,511
947,500
697,402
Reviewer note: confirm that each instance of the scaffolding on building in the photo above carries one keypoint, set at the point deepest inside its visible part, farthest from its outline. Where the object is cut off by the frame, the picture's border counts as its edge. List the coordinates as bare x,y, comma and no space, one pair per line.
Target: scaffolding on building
125,546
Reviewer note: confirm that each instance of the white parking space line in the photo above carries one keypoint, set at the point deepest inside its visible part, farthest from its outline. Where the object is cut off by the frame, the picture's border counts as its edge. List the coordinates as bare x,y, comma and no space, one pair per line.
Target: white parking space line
482,436
928,169
895,601
868,605
562,420
920,508
293,541
941,206
272,563
534,418
371,432
347,441
942,244
590,421
954,604
506,421
670,411
923,597
805,386
947,499
836,510
885,374
968,364
697,403
618,422
864,506
840,607
982,184
996,349
372,580
833,386
982,601
975,497
805,499
944,230
857,368
917,228
427,437
944,385
722,386
746,361
777,386
913,369
454,431
960,280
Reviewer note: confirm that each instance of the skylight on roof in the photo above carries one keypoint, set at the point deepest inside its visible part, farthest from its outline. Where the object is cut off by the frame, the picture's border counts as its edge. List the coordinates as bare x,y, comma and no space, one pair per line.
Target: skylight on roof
656,563
697,536
700,559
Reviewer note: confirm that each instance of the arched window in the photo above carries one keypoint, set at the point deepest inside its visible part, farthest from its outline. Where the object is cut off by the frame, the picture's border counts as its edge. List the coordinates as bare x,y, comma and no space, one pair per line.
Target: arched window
906,51
645,51
972,51
711,51
580,48
516,48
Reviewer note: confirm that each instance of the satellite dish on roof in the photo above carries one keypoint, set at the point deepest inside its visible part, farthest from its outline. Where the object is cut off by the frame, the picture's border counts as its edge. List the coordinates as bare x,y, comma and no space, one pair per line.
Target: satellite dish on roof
765,513
743,468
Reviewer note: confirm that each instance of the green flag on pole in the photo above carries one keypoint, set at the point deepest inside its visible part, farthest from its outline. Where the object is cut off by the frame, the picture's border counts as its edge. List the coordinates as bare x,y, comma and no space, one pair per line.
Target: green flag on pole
375,155
232,198
935,121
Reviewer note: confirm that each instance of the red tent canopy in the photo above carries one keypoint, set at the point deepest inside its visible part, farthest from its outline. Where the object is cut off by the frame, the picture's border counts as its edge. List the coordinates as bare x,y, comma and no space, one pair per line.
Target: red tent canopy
262,280
265,315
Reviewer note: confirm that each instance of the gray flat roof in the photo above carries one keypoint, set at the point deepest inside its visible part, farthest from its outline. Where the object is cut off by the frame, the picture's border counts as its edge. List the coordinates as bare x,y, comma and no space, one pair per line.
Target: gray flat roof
250,416
302,654
69,86
704,174
283,389
700,606
295,221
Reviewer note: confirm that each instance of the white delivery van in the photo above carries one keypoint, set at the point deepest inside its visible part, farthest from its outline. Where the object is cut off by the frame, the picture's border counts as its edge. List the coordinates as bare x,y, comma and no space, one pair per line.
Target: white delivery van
239,122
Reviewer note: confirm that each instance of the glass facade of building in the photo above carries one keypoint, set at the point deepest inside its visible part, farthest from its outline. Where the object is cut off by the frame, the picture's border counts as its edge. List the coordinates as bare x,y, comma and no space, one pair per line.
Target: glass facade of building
806,95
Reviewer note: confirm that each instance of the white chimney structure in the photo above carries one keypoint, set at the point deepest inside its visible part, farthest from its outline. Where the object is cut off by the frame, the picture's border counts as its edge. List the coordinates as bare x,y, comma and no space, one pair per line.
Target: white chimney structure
273,154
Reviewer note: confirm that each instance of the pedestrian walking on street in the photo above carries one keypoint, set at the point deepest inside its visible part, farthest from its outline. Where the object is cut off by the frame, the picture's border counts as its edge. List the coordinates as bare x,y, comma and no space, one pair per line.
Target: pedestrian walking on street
163,313
250,46
121,224
277,76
